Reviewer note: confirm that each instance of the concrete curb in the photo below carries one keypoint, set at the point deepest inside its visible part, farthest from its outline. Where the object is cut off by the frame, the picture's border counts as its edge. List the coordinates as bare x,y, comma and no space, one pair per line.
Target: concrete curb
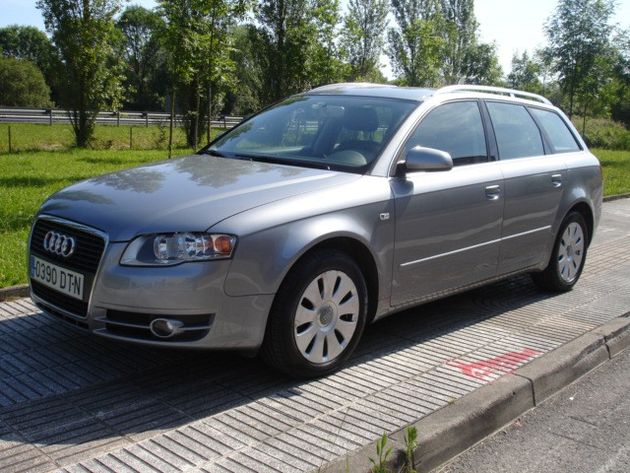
13,291
453,429
610,198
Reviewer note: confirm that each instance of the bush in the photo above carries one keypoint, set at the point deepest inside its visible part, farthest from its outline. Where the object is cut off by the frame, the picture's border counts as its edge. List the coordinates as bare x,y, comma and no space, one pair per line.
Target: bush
22,84
604,133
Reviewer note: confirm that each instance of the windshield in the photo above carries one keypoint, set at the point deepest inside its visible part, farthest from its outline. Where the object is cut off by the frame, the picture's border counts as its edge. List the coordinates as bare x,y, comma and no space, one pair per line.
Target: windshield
333,132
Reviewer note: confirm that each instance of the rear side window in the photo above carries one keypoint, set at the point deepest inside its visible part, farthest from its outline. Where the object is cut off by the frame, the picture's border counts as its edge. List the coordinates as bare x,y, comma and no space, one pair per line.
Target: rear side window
455,128
516,132
561,138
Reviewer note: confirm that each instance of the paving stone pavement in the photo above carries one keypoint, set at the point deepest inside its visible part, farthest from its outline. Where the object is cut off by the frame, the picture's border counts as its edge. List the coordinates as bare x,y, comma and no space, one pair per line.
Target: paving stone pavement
72,402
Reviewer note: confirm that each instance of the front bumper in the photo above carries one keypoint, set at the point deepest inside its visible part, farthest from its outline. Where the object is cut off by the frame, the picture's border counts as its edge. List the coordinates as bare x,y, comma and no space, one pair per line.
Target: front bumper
124,300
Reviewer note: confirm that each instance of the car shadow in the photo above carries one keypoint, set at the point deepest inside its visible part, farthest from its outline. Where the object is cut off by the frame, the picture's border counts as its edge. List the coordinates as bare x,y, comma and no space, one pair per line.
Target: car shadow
60,386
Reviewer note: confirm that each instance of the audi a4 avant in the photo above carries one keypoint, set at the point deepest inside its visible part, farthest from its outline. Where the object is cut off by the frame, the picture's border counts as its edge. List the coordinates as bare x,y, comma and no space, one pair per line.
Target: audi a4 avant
322,213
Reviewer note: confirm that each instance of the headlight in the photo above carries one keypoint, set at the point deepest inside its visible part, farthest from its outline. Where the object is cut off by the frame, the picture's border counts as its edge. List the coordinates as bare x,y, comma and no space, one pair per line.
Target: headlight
175,248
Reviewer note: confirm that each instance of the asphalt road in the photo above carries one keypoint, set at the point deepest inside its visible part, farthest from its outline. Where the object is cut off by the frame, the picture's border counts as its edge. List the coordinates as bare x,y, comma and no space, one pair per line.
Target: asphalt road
584,428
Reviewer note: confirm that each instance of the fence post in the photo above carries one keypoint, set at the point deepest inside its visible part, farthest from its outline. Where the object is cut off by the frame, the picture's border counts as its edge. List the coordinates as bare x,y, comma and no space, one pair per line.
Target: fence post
118,118
224,122
146,121
130,137
50,117
10,145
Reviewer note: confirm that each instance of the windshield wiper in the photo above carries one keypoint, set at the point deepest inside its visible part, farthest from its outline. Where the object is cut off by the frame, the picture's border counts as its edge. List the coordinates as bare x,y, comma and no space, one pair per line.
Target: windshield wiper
214,152
287,162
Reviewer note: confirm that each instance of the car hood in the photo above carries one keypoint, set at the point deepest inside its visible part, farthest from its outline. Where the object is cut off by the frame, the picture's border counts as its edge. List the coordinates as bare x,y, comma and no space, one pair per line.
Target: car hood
186,194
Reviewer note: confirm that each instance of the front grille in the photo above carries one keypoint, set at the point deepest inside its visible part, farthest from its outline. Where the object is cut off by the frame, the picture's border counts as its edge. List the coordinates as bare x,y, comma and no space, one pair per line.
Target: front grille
136,325
87,255
85,260
60,300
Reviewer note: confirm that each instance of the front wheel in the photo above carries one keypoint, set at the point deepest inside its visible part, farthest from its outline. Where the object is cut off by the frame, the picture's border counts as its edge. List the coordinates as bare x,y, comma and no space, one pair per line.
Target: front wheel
568,256
318,316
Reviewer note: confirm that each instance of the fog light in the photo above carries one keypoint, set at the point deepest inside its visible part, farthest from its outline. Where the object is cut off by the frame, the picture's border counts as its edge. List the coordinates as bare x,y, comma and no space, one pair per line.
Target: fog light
165,328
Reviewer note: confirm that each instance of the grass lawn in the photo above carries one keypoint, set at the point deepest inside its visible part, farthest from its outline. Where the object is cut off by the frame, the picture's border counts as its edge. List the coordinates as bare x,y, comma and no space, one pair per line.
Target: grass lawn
40,137
616,168
27,178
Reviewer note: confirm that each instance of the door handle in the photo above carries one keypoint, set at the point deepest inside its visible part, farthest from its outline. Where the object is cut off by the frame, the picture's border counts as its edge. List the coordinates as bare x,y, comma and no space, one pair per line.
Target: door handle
493,192
556,180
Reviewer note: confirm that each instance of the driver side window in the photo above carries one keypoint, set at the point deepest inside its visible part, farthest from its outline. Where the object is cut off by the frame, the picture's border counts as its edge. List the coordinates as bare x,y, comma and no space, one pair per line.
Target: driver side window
455,128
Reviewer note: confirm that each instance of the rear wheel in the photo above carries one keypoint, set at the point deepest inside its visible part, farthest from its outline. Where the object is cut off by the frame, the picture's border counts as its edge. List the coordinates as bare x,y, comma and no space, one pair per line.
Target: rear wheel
568,256
318,316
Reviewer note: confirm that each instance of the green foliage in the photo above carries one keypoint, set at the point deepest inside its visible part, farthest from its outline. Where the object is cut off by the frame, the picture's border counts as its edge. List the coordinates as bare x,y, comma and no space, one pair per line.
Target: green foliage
411,443
362,38
578,34
482,65
26,42
435,43
144,57
198,45
604,133
382,454
88,71
294,46
462,59
22,84
525,73
620,86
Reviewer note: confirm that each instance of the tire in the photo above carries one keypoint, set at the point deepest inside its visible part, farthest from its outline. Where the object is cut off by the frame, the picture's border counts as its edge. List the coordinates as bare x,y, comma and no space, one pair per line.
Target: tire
568,256
317,317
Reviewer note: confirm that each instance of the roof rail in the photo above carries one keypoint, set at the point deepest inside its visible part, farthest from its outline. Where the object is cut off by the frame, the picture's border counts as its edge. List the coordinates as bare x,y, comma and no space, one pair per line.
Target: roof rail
492,90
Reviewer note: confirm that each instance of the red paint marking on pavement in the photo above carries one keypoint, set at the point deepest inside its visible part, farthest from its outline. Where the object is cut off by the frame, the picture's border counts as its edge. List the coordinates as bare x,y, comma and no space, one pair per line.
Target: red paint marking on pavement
505,363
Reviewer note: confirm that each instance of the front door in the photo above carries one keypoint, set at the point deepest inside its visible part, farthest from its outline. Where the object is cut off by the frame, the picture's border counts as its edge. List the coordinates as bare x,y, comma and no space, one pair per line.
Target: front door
448,223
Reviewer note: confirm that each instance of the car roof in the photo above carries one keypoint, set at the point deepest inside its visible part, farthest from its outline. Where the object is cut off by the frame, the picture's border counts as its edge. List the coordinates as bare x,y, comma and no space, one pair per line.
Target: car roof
417,94
420,94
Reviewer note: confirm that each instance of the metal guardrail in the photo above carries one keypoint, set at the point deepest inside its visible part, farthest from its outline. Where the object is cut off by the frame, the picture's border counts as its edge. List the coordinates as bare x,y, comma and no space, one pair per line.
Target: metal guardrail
52,116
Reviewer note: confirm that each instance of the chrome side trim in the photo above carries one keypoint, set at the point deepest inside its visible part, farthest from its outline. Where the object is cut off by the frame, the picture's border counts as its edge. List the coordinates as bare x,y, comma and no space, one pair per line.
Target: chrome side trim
528,232
479,245
77,226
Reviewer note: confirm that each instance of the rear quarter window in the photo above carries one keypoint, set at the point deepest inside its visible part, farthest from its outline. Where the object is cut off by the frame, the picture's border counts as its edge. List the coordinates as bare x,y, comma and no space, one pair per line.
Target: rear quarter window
558,133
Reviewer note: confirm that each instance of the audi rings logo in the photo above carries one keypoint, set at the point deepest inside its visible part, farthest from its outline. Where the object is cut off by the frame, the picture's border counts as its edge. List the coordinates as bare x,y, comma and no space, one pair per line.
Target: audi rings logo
59,244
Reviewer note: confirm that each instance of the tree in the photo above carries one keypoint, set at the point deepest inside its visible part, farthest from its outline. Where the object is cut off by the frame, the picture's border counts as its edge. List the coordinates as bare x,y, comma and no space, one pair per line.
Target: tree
578,34
482,65
244,98
460,35
295,46
416,47
525,73
28,42
89,74
22,84
144,57
620,108
198,49
362,37
435,42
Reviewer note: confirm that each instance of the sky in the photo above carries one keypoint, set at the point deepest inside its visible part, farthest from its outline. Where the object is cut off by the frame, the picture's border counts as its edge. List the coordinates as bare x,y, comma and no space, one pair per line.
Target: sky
514,25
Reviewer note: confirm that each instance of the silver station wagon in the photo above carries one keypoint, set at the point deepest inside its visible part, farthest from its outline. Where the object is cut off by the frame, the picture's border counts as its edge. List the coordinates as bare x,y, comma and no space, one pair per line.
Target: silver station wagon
288,234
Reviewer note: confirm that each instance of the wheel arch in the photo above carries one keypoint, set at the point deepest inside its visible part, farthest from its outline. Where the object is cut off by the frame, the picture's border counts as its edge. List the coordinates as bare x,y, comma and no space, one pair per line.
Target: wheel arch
360,253
584,209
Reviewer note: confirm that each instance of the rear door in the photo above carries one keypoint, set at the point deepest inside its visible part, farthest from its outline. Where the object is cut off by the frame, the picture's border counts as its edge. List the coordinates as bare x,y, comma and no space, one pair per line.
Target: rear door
448,223
533,186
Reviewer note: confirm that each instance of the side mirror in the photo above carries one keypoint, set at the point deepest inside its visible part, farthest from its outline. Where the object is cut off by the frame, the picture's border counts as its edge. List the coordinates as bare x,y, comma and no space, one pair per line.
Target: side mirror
426,159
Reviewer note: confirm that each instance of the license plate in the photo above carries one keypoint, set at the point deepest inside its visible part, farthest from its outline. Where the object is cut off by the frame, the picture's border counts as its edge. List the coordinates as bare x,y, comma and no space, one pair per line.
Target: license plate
58,278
